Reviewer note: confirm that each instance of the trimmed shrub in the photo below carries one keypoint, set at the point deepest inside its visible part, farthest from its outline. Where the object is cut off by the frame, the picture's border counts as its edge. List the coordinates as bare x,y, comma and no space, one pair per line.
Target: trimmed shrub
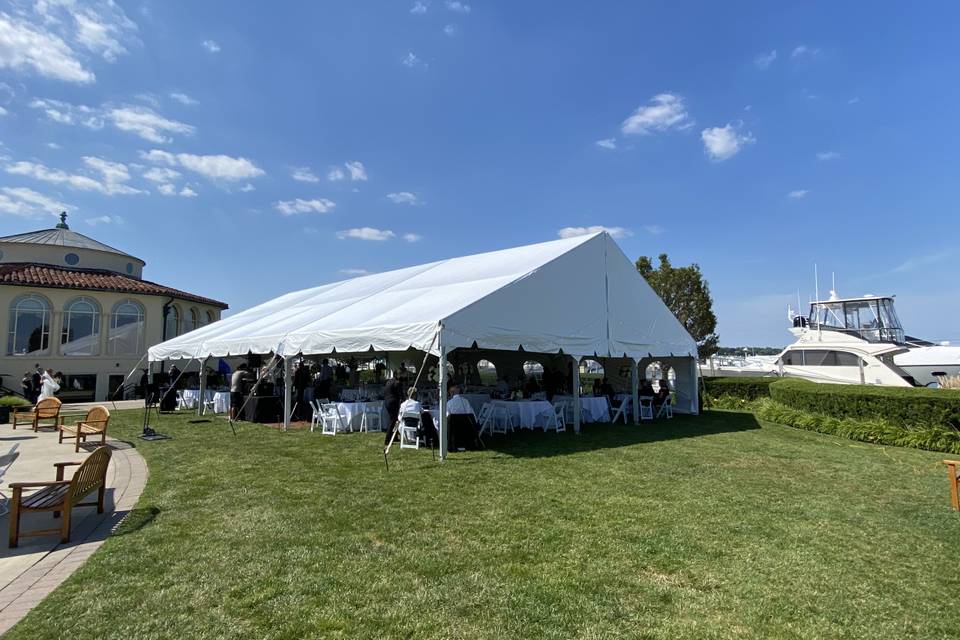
875,430
13,401
902,406
745,388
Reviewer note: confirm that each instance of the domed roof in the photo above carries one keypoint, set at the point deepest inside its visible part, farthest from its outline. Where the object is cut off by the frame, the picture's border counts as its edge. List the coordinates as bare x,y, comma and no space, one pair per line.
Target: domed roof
62,236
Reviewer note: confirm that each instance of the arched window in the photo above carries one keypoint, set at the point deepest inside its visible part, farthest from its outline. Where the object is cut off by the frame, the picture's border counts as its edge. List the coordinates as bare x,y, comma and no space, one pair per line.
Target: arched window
126,329
210,317
29,326
80,334
488,373
190,320
171,325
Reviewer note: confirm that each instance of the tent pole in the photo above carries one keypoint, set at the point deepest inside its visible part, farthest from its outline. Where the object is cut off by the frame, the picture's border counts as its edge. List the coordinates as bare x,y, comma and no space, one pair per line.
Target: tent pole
443,400
287,396
695,396
634,390
203,387
576,395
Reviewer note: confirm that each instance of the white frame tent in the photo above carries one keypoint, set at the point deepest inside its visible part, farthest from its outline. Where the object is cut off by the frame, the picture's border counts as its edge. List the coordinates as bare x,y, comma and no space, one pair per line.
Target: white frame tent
579,297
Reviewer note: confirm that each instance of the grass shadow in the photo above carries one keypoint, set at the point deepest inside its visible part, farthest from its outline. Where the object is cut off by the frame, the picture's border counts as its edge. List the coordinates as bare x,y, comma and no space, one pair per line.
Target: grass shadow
135,520
537,444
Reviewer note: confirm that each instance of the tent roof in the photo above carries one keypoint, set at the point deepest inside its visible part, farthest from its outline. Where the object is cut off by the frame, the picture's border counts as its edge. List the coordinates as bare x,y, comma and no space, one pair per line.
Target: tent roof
581,295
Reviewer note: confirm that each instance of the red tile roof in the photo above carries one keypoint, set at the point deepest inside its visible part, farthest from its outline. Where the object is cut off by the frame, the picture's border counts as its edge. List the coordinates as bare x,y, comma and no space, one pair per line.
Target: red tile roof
40,275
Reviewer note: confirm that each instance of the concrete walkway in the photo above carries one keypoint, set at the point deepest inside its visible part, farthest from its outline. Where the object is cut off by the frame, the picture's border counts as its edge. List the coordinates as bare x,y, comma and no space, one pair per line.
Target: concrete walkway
34,569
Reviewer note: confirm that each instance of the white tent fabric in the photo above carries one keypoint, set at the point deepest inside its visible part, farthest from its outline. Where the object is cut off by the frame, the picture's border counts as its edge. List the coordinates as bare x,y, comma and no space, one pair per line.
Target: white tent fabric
581,295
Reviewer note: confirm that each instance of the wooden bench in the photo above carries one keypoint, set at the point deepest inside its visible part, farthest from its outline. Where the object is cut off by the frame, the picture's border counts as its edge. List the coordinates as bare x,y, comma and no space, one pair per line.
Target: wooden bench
47,409
953,469
60,496
95,423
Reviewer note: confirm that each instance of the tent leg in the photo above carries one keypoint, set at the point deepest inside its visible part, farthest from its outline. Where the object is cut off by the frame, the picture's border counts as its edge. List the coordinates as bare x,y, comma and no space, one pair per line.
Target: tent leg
576,395
443,403
203,387
634,390
695,396
287,395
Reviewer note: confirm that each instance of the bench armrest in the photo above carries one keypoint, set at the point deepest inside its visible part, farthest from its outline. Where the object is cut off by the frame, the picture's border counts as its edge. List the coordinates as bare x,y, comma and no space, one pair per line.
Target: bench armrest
952,463
65,464
54,483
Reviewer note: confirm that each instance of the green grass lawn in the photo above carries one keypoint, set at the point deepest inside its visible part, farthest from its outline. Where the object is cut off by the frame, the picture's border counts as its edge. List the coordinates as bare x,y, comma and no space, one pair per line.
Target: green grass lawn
709,527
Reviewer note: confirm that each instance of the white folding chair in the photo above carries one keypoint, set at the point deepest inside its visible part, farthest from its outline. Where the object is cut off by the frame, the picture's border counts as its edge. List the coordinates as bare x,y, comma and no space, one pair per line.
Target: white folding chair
181,401
370,417
208,406
556,418
646,409
410,430
317,413
666,409
5,463
332,419
621,411
501,420
485,417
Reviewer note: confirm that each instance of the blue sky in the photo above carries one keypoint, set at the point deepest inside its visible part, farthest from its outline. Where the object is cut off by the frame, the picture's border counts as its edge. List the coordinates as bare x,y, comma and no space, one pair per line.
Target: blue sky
244,149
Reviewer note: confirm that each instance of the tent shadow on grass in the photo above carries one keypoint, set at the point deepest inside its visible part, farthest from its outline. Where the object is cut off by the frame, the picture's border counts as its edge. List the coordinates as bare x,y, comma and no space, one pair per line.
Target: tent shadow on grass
537,444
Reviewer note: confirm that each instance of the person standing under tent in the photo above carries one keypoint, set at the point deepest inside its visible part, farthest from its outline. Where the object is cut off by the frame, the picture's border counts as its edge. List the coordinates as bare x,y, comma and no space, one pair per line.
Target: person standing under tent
324,379
236,390
392,397
175,374
49,386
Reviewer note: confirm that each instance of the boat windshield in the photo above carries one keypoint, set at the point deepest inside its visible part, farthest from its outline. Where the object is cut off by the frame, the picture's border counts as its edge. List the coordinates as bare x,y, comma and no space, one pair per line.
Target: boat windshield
873,319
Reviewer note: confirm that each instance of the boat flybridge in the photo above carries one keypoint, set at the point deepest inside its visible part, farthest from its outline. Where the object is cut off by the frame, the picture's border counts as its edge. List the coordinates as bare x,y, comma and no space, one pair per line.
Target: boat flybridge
861,341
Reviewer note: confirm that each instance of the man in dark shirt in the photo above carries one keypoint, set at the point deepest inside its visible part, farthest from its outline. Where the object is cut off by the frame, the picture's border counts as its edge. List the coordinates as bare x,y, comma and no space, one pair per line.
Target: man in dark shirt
392,397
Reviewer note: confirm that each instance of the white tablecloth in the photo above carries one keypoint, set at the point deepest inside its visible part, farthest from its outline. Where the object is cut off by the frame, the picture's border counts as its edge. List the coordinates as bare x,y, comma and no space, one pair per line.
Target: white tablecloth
221,402
352,413
527,413
592,408
192,396
476,400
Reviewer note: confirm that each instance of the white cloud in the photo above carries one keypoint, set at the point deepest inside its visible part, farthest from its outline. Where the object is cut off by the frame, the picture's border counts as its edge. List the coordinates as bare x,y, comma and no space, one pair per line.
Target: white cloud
336,174
53,145
103,220
418,8
763,60
412,237
450,30
114,175
403,197
146,123
798,194
210,46
802,51
357,171
607,143
367,233
101,33
722,143
247,188
66,113
183,98
161,174
316,205
572,232
158,156
654,229
3,111
411,60
459,7
25,48
828,155
187,192
27,203
167,190
220,167
304,174
354,272
665,111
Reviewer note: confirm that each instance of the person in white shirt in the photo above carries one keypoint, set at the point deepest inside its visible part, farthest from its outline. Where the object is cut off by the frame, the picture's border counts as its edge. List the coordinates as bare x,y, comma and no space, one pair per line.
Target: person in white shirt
411,404
49,386
462,422
457,404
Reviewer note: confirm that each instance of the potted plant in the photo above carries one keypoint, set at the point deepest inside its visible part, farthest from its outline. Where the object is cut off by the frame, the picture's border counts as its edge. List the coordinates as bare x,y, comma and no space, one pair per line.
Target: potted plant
8,402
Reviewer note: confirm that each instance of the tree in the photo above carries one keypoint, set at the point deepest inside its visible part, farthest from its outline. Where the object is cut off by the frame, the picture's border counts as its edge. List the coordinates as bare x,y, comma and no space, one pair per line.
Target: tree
687,295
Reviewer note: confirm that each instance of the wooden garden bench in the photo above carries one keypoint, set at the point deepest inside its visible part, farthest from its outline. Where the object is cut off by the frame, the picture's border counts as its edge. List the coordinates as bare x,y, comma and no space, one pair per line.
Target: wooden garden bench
95,423
60,496
953,469
47,409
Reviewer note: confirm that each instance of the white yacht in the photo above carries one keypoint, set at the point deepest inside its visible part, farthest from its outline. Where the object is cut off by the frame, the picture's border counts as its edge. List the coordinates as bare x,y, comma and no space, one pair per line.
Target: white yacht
861,341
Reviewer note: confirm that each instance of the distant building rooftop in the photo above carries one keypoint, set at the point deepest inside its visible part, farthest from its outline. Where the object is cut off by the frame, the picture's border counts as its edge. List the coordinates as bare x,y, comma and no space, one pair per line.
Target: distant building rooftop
62,236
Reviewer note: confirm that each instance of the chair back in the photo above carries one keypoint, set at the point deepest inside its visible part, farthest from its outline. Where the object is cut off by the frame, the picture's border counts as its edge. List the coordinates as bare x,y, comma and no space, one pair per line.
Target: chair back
90,475
48,408
97,417
413,417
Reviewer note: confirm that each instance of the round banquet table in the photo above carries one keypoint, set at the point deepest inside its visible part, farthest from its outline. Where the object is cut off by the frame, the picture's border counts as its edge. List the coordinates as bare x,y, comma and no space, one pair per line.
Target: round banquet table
352,413
221,402
592,408
527,414
192,396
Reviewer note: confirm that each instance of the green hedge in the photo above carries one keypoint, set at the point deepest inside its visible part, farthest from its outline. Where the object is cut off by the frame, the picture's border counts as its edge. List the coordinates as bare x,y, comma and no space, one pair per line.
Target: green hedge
907,407
875,430
743,388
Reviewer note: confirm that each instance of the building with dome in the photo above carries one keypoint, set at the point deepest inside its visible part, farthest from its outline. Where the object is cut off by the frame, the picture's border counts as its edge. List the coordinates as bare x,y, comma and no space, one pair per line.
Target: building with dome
82,308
